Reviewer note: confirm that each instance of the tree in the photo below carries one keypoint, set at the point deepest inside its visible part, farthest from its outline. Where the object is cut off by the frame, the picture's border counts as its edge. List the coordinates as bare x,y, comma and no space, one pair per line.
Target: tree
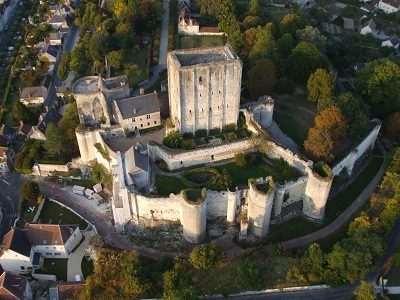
225,14
62,71
320,85
207,255
365,291
116,58
249,275
392,127
286,44
30,191
313,263
30,77
312,35
177,283
379,83
255,9
332,120
251,21
98,46
319,144
263,45
305,60
54,139
20,112
288,25
261,78
208,7
248,41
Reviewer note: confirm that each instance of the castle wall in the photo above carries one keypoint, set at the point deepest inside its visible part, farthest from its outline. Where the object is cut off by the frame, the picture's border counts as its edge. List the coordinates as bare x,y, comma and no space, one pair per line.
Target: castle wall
293,159
92,107
217,204
157,208
368,143
295,190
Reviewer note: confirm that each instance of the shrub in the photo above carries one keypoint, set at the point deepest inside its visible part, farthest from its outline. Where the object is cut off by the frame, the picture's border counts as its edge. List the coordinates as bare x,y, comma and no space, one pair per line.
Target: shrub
173,140
200,133
214,131
322,169
232,136
245,160
207,255
241,123
240,159
30,191
229,127
187,135
188,144
249,275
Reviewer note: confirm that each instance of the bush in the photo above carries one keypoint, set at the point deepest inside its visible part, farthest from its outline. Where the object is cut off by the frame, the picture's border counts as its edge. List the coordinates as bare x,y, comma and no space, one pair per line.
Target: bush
187,135
188,144
241,123
229,127
214,131
30,191
200,133
249,275
246,160
173,140
232,136
207,255
240,159
284,86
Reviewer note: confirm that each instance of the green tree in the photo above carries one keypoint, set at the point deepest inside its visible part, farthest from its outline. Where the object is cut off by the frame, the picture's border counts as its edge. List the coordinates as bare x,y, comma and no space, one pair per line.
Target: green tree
392,127
177,283
249,39
305,60
208,7
54,139
321,86
20,112
225,14
62,71
251,21
313,263
249,275
312,35
116,58
263,45
30,191
379,82
30,77
255,8
286,44
365,291
98,46
207,255
261,78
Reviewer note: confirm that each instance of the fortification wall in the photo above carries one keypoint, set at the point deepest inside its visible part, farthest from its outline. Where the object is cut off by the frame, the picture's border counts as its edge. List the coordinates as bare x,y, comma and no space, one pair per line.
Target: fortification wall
46,169
293,159
366,144
295,190
217,204
194,220
159,208
183,159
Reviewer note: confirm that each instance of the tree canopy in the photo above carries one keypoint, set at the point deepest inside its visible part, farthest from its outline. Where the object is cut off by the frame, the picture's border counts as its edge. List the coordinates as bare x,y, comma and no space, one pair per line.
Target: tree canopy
54,139
320,86
30,191
261,78
379,83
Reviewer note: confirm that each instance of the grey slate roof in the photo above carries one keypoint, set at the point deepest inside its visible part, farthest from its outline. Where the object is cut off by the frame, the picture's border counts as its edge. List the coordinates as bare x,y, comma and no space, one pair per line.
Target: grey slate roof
33,92
145,104
57,19
52,116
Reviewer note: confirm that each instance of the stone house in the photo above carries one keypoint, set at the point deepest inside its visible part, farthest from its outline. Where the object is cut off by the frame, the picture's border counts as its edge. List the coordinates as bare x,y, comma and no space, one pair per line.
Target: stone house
139,112
368,27
24,130
51,53
33,96
387,6
22,250
14,287
187,25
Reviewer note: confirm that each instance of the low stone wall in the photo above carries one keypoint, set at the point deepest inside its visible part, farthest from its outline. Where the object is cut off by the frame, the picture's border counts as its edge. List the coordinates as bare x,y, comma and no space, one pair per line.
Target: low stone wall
44,277
45,169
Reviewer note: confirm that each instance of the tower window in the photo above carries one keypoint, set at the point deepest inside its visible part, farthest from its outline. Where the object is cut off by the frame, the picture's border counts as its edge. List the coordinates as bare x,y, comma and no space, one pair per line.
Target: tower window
200,79
190,111
200,94
210,108
148,117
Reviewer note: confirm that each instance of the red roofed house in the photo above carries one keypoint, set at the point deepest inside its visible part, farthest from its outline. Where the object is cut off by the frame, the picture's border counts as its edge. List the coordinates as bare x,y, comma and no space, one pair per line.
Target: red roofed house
389,6
14,287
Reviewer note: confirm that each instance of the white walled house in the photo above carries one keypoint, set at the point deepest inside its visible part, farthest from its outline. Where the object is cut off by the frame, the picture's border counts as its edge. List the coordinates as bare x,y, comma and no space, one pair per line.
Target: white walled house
14,287
388,6
33,96
23,249
368,27
392,42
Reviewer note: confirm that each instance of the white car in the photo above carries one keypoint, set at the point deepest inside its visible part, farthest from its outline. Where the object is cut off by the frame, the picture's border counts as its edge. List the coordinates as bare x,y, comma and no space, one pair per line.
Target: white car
10,48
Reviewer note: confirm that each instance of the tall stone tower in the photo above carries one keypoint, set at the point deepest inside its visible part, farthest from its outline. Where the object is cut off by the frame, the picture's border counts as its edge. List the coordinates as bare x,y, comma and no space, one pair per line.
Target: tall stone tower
204,87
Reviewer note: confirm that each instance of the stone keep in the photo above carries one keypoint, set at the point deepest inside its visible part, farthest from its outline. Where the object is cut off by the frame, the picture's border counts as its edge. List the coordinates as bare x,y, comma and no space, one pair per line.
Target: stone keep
204,87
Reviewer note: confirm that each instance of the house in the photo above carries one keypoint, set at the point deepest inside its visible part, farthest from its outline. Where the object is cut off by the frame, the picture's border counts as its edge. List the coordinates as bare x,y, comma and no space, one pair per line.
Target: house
51,116
392,42
55,38
358,67
388,6
14,287
24,129
50,52
139,112
46,81
187,25
24,249
8,132
33,96
368,7
65,290
368,27
56,21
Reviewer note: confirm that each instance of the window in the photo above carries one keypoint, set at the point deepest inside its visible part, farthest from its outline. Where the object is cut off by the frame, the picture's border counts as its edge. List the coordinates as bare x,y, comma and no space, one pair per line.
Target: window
155,122
148,123
200,94
190,111
200,79
148,116
141,125
22,268
210,108
133,119
47,253
57,254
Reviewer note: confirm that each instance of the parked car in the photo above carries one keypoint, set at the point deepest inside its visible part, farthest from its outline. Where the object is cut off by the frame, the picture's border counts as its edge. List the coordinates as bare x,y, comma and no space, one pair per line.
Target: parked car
10,48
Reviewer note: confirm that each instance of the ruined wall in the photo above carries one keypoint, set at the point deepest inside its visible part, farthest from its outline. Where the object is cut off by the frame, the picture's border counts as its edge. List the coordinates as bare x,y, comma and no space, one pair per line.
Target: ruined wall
92,107
217,204
181,159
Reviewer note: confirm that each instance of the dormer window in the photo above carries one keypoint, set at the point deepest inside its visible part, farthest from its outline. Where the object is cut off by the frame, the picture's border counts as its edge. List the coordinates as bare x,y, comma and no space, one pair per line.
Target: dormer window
134,111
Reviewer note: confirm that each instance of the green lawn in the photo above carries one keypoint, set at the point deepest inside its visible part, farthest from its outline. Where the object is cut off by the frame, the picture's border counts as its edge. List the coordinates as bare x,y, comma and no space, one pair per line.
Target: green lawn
55,266
87,267
299,227
276,14
82,182
295,115
136,73
197,41
56,213
241,175
169,184
26,217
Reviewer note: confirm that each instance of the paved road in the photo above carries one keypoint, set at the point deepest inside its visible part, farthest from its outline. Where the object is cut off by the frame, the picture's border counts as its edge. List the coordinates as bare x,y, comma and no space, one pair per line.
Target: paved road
9,200
346,215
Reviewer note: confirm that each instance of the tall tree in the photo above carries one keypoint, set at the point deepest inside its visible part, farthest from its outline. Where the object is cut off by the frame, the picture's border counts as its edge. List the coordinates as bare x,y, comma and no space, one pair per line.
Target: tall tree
20,112
248,41
208,7
54,140
30,191
263,46
365,291
392,127
98,46
332,120
261,78
255,8
379,83
319,144
226,10
320,86
286,45
305,60
116,58
288,25
30,77
312,35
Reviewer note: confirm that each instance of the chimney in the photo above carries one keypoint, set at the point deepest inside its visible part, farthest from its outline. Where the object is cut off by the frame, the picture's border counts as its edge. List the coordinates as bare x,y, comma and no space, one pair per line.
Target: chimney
21,123
190,22
141,90
29,94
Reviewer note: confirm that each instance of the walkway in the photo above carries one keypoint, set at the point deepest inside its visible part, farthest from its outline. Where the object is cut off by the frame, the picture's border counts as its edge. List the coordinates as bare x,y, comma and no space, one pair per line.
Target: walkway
278,136
162,58
75,259
331,228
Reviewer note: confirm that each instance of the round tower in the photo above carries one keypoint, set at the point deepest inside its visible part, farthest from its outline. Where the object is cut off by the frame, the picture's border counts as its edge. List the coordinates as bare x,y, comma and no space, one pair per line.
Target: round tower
231,209
266,112
193,205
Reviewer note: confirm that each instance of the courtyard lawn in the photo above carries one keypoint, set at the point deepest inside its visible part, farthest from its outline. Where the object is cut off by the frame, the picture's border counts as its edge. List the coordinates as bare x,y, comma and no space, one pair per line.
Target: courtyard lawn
56,213
139,70
295,115
55,266
82,182
298,227
169,184
198,41
27,216
241,175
